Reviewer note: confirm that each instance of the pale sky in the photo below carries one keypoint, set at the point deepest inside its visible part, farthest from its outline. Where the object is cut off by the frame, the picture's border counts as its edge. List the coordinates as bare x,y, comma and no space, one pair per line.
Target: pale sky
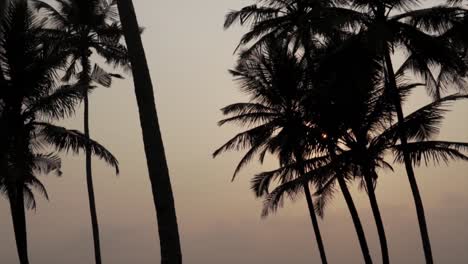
189,55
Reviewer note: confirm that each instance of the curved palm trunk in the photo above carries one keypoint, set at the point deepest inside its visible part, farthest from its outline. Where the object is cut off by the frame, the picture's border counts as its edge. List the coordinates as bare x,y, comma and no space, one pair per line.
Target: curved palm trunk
152,139
85,80
315,225
378,218
353,211
409,167
357,222
19,222
310,205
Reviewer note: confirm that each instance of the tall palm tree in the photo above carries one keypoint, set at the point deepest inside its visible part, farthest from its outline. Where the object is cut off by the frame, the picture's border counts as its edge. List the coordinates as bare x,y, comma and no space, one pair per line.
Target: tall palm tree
392,25
348,76
276,81
302,24
152,140
84,28
363,149
29,101
386,25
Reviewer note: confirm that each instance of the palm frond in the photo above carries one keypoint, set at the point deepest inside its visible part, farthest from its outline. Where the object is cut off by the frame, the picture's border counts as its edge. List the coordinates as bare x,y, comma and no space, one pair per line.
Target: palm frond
249,119
275,199
29,199
59,104
324,194
293,188
52,14
46,163
437,19
422,124
432,151
427,52
261,182
38,186
247,139
66,140
100,76
249,15
115,54
254,150
245,108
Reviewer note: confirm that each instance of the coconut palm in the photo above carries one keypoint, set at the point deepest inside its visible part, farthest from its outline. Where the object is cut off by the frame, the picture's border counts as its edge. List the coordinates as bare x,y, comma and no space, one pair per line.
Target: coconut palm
363,149
387,26
83,28
393,25
350,84
276,81
29,101
154,149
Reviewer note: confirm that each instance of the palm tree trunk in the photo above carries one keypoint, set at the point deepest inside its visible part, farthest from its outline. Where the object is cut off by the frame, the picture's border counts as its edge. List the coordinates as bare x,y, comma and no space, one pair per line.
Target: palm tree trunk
152,139
315,225
85,80
409,168
19,222
356,220
318,236
352,210
378,218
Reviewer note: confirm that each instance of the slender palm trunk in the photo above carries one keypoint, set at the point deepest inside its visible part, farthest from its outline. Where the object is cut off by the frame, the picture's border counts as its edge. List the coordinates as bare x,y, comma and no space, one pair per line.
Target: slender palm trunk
378,218
85,80
369,175
310,205
19,222
353,211
315,225
152,139
355,216
409,168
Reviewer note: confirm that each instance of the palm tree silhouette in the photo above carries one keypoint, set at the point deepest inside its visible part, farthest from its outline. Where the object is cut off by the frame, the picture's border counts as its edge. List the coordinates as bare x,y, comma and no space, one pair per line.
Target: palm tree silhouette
276,81
301,23
154,149
412,31
29,101
84,28
363,148
386,26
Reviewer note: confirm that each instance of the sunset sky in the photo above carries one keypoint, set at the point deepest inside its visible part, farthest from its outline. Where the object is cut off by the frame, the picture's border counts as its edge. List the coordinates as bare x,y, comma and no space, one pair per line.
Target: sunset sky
189,55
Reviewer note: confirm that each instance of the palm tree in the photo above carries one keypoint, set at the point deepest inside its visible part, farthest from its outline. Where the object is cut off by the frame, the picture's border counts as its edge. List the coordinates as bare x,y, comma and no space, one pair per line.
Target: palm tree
301,23
363,148
412,31
386,25
29,101
84,28
276,81
152,140
355,80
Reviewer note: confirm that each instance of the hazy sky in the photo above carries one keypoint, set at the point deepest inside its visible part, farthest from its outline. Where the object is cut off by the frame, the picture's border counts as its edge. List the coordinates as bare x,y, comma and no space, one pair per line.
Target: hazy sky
189,54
